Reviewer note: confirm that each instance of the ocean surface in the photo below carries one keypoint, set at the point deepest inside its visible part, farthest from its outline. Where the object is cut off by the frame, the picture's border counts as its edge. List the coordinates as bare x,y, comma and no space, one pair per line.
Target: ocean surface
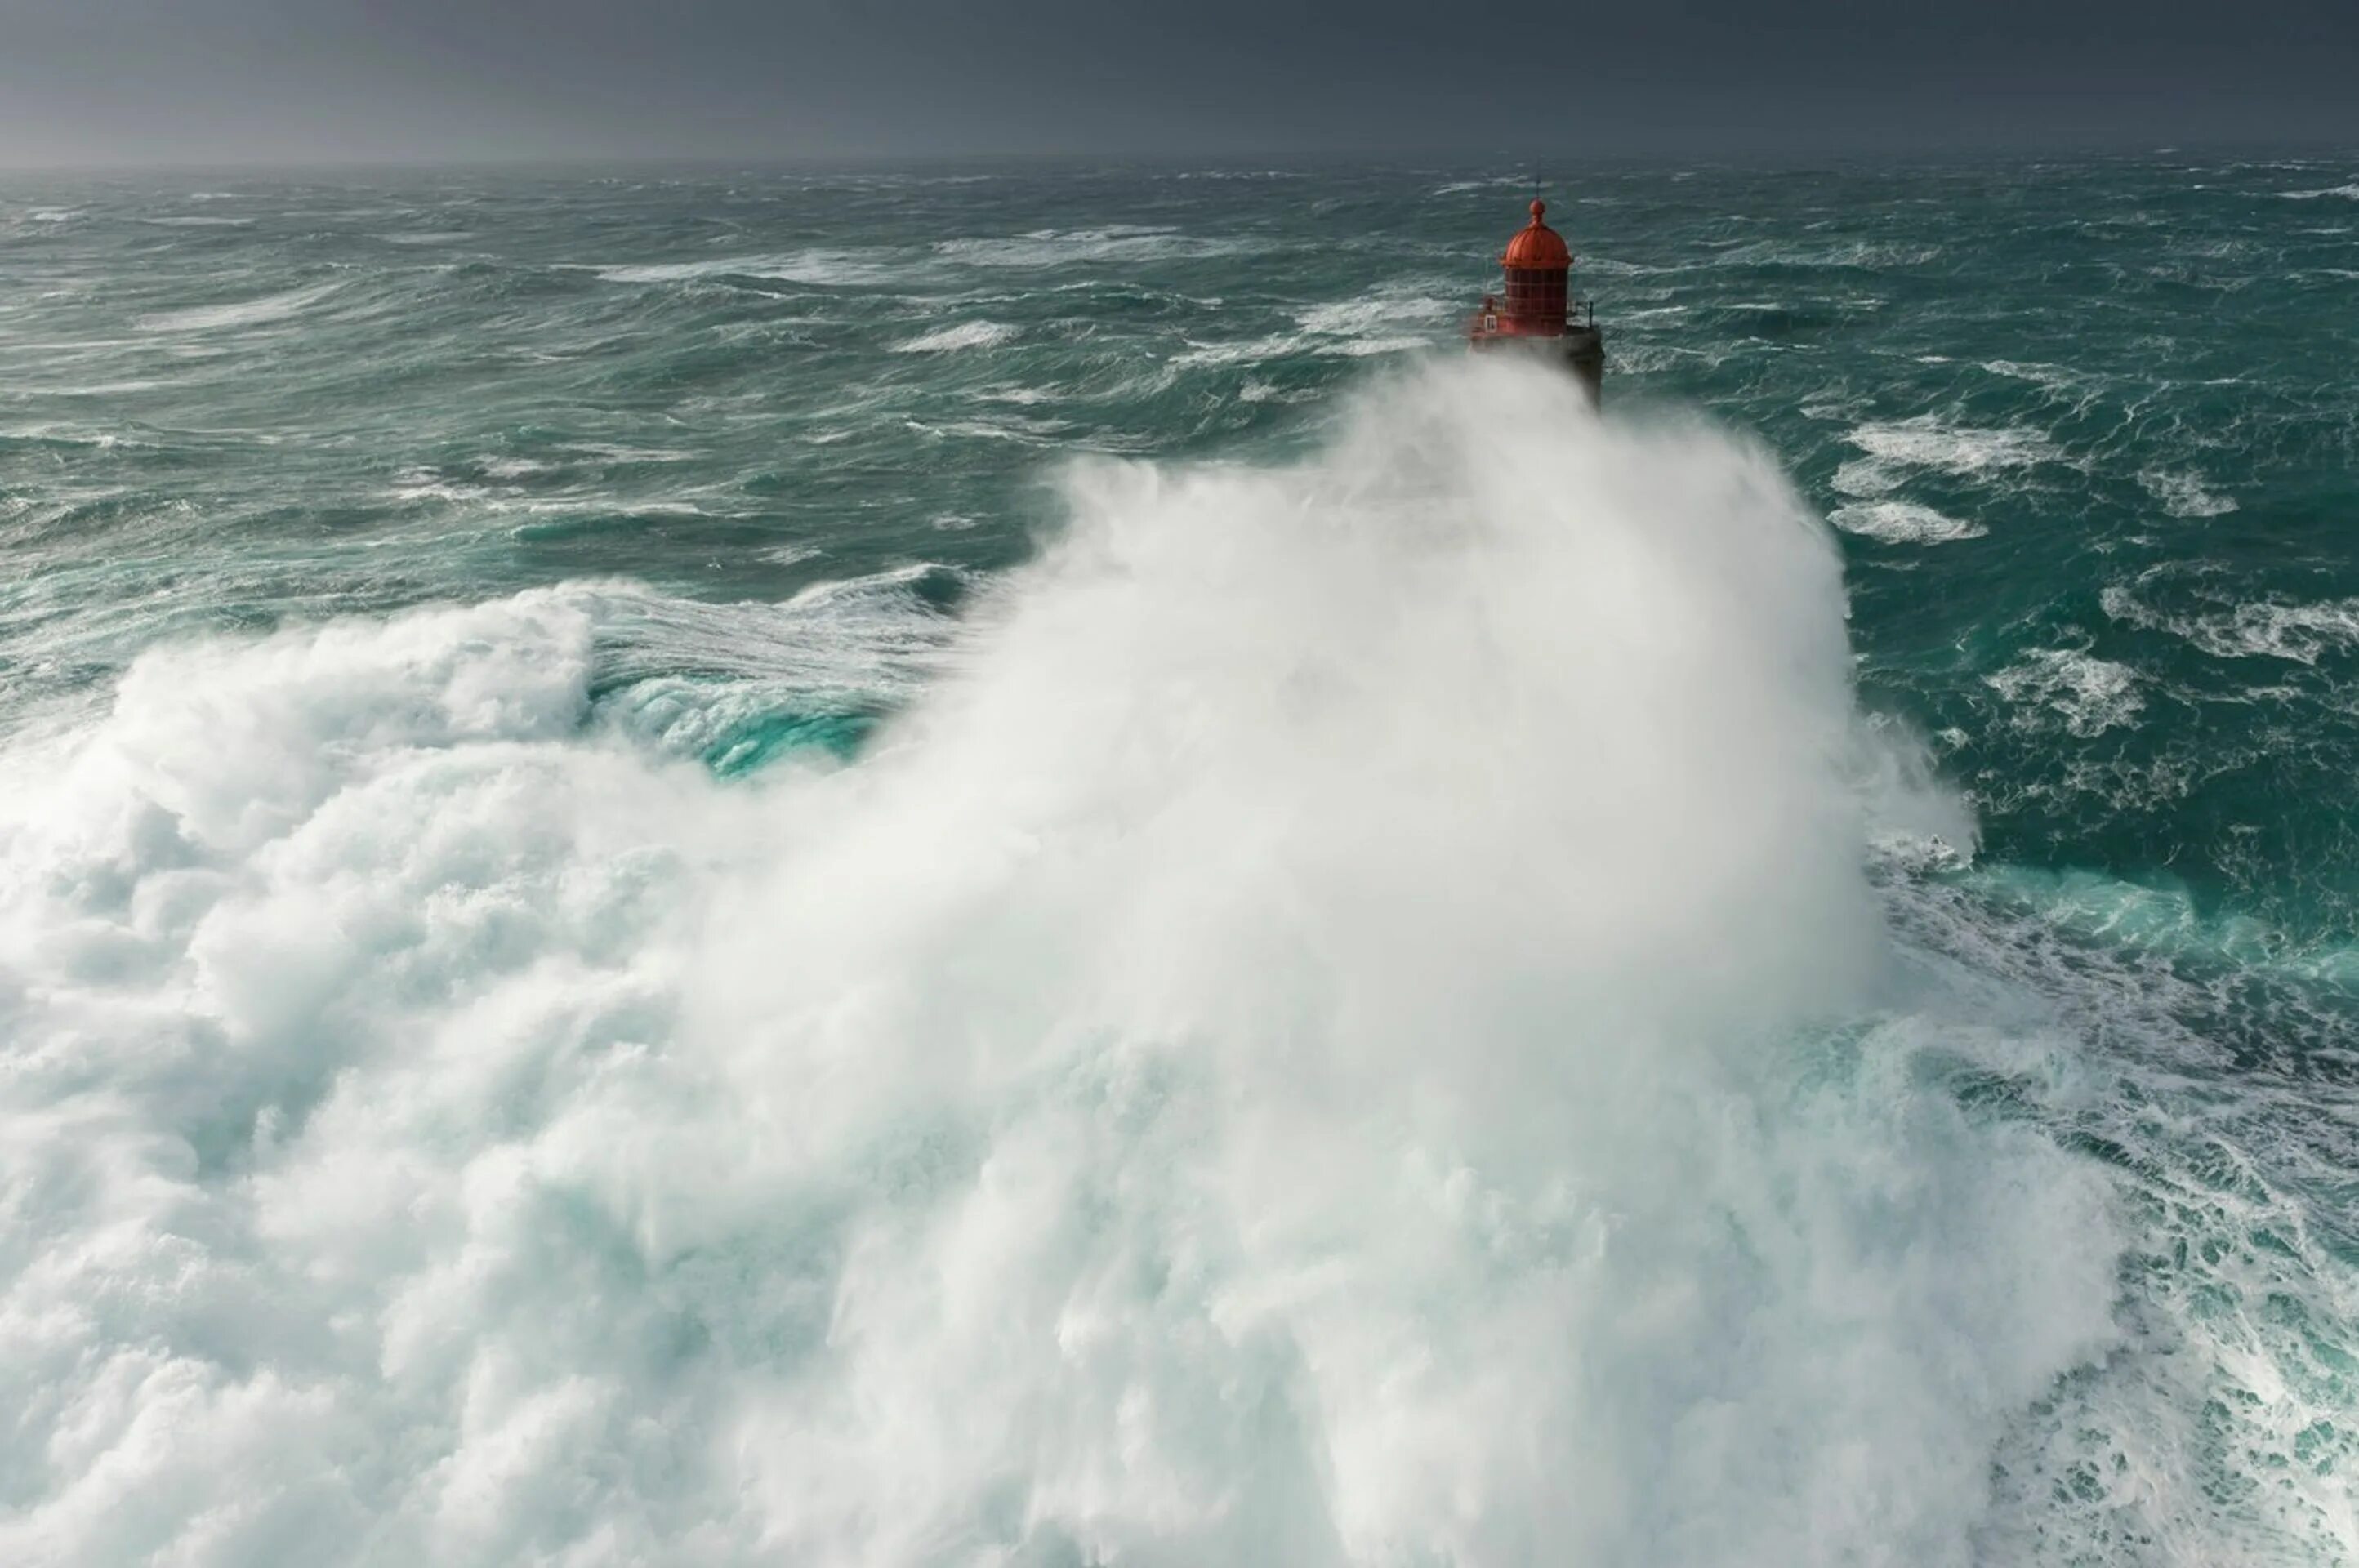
992,867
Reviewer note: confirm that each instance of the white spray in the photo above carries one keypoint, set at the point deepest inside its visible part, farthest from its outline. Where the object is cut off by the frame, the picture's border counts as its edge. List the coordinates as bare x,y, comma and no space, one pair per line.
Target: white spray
1337,1031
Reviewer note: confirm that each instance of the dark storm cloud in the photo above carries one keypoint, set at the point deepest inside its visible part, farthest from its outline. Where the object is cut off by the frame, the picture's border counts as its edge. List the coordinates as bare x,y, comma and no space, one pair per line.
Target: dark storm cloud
323,80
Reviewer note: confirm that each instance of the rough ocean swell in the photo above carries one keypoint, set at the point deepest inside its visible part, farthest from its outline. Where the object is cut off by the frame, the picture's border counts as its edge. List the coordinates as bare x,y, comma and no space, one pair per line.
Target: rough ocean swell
687,879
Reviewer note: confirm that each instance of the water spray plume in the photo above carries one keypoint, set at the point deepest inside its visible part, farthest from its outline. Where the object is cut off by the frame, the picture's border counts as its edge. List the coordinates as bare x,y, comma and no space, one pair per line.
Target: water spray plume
1349,1025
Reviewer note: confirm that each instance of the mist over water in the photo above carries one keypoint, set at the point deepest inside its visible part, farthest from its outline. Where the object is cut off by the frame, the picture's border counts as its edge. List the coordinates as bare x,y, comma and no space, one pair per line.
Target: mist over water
1392,986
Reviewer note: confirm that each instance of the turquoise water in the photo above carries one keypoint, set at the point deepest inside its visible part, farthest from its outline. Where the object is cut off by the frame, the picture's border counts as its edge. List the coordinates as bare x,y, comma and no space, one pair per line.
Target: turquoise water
987,867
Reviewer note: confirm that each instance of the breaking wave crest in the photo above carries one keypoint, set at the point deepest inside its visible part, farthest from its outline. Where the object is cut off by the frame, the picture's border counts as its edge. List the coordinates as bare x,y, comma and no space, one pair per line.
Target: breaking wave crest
1347,1025
963,335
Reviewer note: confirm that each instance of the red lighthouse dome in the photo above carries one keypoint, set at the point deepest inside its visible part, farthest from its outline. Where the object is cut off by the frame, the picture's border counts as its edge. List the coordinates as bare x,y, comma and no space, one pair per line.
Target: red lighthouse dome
1537,246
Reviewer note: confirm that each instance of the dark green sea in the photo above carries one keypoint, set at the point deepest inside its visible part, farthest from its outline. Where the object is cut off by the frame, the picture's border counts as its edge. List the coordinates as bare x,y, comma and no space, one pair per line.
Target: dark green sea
993,867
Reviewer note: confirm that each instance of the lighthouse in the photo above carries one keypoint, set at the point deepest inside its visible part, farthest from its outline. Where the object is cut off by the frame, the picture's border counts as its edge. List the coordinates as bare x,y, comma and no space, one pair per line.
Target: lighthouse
1537,314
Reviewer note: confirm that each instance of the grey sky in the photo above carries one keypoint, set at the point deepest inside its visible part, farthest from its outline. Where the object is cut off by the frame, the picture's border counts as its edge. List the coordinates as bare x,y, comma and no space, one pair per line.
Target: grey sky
292,80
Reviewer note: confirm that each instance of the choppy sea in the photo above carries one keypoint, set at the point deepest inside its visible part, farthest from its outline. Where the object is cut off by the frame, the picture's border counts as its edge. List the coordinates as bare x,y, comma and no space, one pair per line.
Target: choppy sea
990,867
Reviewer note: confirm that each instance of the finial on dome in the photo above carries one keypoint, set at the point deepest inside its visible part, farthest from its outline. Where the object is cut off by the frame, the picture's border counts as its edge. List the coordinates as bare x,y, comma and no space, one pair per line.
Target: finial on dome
1540,208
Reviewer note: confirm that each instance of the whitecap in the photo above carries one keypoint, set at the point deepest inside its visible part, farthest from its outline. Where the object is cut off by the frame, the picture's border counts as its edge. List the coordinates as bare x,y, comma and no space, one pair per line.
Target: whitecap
963,335
1861,253
815,267
2086,695
244,313
1246,352
425,484
1260,350
1903,522
1925,442
2054,378
1493,182
2183,494
1115,242
1380,313
1008,427
608,452
2269,628
108,388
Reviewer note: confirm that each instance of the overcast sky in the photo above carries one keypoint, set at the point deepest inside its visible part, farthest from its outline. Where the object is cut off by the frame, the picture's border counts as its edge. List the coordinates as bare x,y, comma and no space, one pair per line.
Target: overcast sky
308,80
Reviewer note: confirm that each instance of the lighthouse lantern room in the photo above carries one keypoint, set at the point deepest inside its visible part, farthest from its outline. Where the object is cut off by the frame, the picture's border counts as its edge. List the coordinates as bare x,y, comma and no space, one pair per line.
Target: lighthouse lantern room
1537,313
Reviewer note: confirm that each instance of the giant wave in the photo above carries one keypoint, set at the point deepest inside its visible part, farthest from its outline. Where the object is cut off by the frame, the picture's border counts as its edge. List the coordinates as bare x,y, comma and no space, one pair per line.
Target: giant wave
1351,1022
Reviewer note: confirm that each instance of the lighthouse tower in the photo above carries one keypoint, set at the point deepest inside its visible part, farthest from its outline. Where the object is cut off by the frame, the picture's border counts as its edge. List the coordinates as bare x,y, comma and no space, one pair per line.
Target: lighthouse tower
1537,314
